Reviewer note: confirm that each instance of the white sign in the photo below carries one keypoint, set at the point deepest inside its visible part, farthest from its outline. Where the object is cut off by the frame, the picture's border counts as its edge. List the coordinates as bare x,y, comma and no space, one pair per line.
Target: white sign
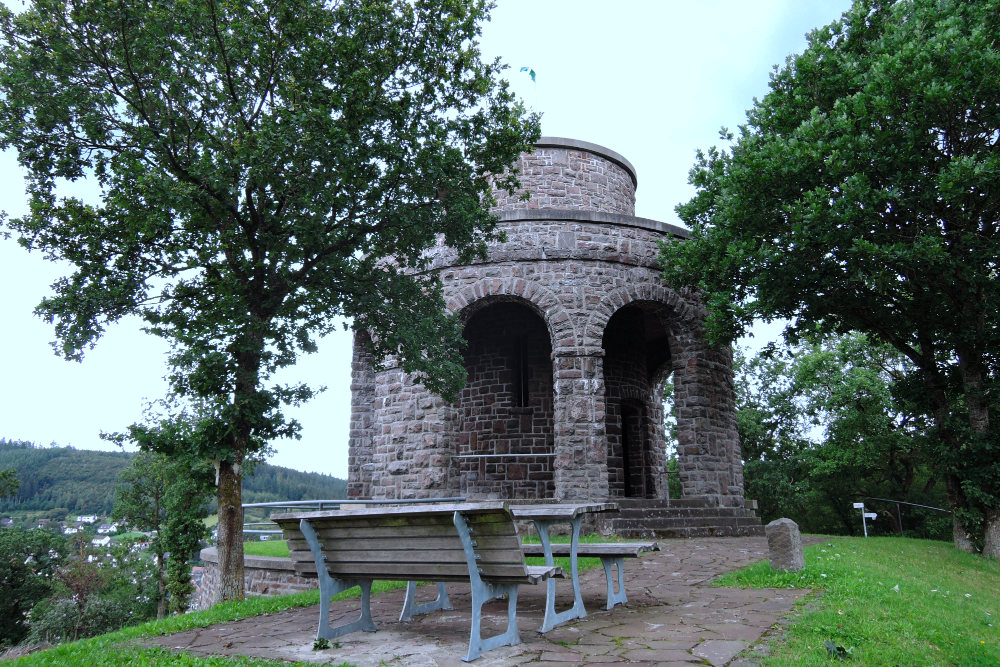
870,515
859,506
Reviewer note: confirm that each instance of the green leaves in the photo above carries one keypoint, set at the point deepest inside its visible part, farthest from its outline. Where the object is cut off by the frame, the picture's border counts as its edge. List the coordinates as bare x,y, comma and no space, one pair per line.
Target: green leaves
862,195
264,168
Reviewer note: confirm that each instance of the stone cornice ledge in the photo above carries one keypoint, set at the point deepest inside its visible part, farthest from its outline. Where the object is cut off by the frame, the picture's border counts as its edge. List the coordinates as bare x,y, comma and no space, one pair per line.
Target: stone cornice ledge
551,214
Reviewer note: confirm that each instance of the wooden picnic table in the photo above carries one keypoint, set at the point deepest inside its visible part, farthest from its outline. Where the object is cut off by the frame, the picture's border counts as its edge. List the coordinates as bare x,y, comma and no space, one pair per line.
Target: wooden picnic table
544,516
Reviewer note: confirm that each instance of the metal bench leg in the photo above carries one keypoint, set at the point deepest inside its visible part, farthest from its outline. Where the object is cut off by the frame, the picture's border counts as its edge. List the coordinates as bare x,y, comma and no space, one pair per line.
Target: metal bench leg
330,586
411,608
483,592
613,597
552,618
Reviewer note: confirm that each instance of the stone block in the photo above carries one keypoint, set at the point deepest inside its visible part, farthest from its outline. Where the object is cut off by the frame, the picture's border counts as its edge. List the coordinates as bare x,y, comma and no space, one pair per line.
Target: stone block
784,544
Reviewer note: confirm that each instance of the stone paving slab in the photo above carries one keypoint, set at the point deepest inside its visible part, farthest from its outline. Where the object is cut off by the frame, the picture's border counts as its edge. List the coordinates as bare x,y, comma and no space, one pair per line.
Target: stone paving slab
673,618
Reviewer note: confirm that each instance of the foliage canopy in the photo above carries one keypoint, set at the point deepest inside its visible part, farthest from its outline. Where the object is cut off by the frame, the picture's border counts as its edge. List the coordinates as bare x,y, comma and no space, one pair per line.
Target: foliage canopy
264,167
862,195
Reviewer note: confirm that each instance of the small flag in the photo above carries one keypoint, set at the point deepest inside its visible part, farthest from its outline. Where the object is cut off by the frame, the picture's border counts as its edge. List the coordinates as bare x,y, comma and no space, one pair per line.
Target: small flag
530,72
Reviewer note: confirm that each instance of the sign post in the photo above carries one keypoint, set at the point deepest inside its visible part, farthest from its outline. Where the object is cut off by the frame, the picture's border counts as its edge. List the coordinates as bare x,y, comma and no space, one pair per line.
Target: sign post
865,515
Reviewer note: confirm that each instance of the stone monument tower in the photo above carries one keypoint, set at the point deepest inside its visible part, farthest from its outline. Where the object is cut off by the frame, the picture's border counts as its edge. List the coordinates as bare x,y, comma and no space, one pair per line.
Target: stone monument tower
572,340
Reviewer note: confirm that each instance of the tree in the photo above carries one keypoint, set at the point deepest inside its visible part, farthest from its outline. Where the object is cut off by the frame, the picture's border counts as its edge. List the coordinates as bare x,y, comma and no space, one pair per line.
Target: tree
167,497
862,195
264,168
29,560
827,422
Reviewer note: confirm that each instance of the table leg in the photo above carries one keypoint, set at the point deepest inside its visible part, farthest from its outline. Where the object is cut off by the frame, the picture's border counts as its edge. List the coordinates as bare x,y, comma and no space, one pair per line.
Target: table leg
552,619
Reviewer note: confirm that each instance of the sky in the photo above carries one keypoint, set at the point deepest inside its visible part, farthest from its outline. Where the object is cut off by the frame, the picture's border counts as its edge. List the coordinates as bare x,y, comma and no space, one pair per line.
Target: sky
653,80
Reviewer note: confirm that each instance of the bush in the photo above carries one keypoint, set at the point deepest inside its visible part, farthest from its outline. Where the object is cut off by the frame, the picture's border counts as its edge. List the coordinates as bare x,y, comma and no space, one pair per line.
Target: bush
55,621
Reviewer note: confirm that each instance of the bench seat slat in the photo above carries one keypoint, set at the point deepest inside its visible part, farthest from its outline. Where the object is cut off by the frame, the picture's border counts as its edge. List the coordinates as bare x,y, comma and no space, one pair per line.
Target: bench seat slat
595,550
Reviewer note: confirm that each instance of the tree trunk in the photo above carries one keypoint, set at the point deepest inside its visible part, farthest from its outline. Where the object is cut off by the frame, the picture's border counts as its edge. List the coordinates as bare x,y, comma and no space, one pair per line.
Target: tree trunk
963,540
991,541
230,544
940,410
161,589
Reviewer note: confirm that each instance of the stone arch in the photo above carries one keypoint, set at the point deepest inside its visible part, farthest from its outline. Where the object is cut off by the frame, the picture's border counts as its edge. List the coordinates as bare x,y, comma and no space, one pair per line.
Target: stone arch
540,299
505,419
614,300
636,343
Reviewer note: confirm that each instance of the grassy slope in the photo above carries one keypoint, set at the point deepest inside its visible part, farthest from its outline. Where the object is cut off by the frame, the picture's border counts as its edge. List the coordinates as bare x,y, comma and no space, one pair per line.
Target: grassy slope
943,613
890,601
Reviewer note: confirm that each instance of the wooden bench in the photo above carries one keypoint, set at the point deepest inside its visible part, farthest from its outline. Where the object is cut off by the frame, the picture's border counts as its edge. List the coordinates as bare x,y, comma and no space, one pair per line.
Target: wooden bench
612,554
473,542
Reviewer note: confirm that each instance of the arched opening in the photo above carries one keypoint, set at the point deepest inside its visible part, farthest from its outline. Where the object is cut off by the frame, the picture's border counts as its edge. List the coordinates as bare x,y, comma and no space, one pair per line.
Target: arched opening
505,446
636,350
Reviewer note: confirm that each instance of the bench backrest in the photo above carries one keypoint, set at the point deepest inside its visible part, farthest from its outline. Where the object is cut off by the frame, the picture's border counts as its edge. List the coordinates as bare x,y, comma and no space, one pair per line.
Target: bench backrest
408,543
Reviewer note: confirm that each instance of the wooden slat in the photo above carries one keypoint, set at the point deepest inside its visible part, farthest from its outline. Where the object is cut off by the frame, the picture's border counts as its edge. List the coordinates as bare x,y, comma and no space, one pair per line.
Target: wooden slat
400,543
540,572
595,550
469,509
559,512
414,543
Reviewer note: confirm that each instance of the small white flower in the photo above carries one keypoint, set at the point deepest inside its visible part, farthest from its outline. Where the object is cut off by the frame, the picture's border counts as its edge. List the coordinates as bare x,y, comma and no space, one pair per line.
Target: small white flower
823,575
896,588
968,595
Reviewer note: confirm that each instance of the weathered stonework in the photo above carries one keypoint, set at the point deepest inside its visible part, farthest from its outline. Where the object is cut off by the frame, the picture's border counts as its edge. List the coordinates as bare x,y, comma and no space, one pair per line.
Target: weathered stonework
262,576
784,544
572,338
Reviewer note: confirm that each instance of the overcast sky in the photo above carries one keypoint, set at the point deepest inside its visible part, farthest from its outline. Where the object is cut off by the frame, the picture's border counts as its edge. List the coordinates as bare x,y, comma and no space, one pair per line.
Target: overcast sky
653,80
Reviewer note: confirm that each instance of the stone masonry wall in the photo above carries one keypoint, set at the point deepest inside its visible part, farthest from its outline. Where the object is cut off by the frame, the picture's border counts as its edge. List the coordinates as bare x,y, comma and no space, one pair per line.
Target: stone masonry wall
571,178
575,267
360,452
506,406
263,576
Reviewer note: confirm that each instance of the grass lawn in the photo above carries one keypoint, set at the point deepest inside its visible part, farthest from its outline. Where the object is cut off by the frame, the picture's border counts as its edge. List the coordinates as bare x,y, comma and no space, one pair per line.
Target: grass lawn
886,601
882,601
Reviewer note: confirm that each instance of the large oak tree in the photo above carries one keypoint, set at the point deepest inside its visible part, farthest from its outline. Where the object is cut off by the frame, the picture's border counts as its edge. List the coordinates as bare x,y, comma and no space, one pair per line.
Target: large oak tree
264,167
863,194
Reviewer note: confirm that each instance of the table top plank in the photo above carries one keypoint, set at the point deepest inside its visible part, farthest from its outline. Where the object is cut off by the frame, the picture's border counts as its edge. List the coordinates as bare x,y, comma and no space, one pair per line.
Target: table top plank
560,511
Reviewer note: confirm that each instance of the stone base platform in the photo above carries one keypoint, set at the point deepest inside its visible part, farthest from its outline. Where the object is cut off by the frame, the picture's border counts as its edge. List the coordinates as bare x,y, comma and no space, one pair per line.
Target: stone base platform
679,518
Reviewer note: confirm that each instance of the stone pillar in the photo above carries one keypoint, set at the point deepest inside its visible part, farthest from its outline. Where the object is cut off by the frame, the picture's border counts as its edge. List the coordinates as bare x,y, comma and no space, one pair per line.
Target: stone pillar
657,435
580,467
708,448
413,440
360,446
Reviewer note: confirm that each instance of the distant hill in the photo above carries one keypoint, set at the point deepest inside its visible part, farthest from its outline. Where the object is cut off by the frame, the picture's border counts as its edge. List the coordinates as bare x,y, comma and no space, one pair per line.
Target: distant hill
83,481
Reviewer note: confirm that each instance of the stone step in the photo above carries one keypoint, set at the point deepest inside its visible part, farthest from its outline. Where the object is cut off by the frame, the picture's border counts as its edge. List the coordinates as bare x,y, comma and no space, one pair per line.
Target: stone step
657,502
655,512
684,521
645,532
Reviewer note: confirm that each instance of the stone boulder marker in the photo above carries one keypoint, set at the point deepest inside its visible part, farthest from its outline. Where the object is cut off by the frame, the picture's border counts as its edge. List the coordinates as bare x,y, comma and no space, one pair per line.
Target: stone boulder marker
784,542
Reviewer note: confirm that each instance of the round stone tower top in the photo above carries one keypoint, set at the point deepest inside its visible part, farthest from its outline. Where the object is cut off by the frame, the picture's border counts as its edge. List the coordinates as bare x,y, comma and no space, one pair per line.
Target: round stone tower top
572,175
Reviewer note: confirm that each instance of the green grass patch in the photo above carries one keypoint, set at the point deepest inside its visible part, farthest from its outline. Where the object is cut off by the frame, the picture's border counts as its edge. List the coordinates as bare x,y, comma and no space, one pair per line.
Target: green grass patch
118,648
271,548
131,536
886,601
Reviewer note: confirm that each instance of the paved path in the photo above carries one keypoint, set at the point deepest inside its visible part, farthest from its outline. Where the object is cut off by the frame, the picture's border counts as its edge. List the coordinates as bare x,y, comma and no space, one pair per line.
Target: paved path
673,618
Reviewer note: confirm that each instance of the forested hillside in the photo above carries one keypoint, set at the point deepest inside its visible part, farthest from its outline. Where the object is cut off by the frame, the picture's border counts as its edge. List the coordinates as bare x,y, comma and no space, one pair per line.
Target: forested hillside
83,481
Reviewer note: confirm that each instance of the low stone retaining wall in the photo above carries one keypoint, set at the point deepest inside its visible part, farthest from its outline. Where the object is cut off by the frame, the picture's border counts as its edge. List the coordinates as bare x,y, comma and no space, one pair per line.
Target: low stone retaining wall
262,575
